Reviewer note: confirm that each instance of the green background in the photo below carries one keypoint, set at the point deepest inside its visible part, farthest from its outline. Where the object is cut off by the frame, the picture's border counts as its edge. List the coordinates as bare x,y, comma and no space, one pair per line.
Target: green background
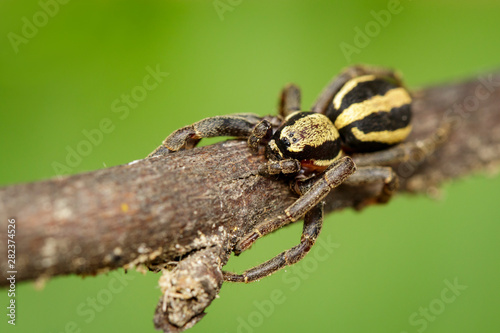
387,264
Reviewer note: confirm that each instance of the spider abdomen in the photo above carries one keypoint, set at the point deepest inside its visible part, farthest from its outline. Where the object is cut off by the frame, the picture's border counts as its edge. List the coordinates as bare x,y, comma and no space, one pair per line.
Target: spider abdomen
371,113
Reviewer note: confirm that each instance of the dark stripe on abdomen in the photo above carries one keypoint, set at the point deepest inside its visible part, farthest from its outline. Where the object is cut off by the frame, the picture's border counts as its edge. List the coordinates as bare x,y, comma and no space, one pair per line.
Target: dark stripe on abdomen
361,92
397,118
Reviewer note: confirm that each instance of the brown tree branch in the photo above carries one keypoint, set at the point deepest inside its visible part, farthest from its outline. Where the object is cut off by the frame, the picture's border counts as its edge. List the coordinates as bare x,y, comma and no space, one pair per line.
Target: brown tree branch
197,203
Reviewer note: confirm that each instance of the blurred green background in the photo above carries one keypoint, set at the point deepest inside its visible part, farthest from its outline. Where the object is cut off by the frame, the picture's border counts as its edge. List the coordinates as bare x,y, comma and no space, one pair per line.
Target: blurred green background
66,67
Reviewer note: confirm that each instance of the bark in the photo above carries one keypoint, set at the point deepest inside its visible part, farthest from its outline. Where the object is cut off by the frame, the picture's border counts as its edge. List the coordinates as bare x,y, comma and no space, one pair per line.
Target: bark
192,206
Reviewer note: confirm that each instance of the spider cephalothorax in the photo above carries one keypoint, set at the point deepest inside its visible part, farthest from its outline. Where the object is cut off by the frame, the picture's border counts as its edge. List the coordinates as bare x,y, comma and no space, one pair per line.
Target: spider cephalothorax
363,110
308,137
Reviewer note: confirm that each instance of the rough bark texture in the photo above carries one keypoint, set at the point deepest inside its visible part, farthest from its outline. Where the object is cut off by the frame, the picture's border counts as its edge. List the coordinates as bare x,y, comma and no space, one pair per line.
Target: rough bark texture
146,212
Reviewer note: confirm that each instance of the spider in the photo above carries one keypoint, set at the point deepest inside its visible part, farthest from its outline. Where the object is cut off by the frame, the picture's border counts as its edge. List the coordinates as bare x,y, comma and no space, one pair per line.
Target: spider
363,114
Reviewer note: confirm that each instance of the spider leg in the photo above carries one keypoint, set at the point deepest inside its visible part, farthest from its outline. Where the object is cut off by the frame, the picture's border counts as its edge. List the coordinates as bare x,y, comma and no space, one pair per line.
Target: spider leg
313,222
326,96
333,176
371,174
289,100
238,125
261,133
416,151
372,167
287,166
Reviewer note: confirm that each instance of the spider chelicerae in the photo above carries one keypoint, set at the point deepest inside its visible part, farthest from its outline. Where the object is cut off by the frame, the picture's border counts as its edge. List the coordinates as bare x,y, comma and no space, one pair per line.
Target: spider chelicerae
364,113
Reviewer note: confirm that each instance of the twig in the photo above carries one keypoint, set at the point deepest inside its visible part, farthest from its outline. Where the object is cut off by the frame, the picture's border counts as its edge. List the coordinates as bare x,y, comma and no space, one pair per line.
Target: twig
196,204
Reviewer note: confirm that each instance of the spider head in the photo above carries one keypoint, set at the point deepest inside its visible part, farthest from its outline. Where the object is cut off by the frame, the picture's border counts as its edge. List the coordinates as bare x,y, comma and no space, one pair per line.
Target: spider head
308,137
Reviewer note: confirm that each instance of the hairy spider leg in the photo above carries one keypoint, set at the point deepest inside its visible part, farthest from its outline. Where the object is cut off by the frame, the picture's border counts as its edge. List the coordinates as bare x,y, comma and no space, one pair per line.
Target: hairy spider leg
371,174
313,222
287,166
261,133
289,100
373,167
237,125
289,103
329,92
323,184
416,150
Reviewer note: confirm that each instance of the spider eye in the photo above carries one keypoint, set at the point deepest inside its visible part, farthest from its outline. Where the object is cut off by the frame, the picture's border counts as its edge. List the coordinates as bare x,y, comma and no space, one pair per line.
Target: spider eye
286,142
294,140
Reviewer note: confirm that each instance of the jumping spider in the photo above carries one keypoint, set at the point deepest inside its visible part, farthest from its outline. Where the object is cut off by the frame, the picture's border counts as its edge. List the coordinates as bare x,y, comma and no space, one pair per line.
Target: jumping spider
365,113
